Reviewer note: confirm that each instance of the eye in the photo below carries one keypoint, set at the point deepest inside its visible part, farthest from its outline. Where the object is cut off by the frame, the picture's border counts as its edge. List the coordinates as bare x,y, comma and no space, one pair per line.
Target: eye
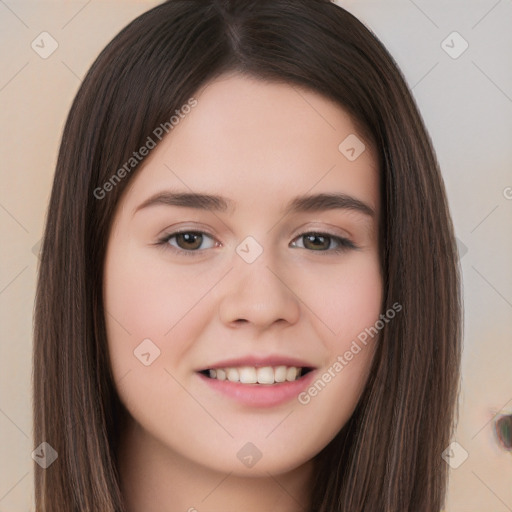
188,241
323,242
191,242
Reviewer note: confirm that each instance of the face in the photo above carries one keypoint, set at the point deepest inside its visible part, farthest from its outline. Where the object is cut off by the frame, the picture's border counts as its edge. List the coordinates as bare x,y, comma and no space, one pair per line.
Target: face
241,273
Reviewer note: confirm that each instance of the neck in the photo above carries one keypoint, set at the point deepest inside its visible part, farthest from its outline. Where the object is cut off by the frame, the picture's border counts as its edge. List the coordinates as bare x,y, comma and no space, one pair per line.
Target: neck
154,477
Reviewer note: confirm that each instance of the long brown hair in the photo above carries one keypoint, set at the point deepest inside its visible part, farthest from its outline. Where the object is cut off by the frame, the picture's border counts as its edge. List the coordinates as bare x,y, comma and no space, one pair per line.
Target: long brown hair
387,458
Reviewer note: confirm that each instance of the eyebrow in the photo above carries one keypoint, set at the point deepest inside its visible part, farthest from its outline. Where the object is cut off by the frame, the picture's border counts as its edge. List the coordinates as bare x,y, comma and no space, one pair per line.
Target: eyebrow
300,204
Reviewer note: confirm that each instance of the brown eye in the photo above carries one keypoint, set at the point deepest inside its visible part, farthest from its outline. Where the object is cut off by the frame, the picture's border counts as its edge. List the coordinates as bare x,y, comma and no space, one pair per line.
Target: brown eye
188,242
323,242
316,242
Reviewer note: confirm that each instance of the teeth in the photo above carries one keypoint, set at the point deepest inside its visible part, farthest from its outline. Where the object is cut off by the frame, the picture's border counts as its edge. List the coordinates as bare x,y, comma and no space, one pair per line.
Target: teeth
280,374
248,375
265,375
291,373
232,375
260,375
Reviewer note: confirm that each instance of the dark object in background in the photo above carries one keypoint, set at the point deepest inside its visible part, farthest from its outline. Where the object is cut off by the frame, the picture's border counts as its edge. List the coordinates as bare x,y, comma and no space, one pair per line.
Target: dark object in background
503,429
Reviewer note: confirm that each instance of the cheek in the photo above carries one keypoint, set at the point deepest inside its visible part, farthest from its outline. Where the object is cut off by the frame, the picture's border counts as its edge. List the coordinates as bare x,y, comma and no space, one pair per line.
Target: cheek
345,298
145,298
345,301
135,300
348,306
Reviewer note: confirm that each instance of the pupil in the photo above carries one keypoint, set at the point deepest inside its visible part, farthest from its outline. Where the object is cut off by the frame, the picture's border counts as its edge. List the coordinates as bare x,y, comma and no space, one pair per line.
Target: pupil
324,242
192,239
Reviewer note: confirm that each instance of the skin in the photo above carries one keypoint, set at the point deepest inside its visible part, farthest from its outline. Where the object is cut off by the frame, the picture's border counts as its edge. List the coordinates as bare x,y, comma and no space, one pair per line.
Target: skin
260,145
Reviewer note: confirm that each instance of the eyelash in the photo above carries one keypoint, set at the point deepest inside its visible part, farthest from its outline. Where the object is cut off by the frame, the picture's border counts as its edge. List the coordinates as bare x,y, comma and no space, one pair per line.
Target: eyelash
344,244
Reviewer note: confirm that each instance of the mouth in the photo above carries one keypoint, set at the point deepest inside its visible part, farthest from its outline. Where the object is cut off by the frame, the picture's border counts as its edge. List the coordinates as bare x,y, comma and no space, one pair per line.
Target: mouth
261,381
259,375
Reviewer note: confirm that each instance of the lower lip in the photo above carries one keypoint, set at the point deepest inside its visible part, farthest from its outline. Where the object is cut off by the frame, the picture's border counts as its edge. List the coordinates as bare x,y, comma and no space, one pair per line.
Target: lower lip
260,395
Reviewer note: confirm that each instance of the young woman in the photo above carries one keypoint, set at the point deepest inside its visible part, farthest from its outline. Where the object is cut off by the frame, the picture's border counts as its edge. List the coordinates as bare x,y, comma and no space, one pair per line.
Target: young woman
249,292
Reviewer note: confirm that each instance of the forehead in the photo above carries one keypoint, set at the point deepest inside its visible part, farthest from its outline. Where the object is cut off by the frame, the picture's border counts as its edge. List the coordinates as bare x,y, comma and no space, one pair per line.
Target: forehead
260,143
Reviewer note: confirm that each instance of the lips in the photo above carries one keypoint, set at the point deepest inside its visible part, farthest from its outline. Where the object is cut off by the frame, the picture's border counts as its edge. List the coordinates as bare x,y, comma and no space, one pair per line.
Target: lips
267,392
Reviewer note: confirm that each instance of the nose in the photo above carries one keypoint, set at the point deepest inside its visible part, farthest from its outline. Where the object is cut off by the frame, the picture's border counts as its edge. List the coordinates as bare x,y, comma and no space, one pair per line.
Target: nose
258,294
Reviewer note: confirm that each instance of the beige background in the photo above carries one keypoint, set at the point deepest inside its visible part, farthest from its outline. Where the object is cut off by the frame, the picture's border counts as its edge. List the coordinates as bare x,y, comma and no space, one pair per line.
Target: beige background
467,106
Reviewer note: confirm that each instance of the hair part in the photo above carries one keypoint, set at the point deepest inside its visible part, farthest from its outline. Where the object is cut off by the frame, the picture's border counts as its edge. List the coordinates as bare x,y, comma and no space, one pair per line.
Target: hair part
387,458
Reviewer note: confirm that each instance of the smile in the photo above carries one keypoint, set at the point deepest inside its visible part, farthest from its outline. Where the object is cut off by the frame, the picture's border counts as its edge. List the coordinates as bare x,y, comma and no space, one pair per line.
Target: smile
268,375
257,386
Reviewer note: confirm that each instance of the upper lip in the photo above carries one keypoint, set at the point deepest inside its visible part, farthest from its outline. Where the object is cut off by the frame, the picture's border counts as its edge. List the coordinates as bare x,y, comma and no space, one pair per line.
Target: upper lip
259,361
